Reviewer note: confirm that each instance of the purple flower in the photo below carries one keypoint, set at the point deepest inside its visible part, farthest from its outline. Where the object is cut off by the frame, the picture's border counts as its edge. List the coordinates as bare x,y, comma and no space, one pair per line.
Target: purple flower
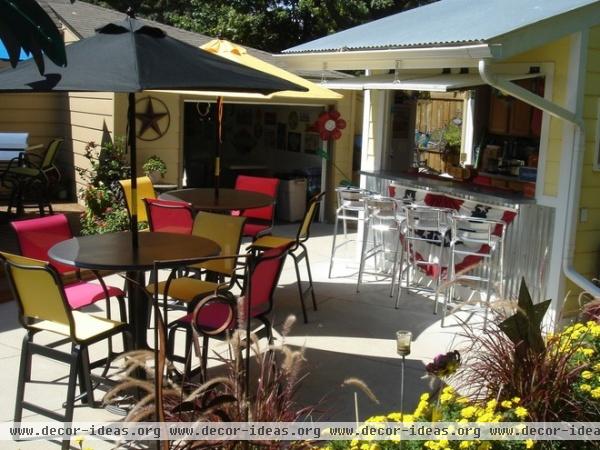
444,364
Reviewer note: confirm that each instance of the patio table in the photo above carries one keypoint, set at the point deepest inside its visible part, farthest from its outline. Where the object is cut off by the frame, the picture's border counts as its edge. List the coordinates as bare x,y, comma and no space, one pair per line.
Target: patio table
114,251
204,199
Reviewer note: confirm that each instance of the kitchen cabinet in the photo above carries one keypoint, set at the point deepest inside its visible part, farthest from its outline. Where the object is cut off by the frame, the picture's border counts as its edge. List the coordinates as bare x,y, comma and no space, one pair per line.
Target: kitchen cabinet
509,116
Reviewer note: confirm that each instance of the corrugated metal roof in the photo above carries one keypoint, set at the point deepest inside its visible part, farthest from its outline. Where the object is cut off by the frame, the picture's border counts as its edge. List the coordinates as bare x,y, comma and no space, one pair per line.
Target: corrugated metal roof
444,23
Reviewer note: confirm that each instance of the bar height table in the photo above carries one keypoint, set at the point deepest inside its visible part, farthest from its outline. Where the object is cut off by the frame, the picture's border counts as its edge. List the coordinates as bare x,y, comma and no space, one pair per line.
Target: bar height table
114,252
204,199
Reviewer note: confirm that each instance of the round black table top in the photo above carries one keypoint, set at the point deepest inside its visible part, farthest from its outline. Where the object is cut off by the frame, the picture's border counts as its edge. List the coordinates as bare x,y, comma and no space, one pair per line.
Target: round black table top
229,199
114,251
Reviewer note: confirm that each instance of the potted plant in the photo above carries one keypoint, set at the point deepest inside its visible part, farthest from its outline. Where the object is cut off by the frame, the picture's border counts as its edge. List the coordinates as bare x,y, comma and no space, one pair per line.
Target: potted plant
155,168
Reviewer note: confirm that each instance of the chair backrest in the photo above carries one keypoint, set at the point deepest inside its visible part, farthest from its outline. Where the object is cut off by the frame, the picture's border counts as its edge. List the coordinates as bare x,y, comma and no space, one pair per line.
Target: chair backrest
51,152
381,207
226,231
264,278
474,232
169,216
144,190
309,216
262,185
37,236
37,289
351,198
427,224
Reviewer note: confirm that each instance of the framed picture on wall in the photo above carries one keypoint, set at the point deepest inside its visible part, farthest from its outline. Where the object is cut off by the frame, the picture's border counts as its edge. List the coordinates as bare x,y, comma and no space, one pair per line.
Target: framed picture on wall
281,136
270,118
312,143
270,138
244,116
294,142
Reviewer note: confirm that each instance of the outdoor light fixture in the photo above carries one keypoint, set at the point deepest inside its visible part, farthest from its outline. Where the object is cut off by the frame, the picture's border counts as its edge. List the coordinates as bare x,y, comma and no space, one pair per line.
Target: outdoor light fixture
403,341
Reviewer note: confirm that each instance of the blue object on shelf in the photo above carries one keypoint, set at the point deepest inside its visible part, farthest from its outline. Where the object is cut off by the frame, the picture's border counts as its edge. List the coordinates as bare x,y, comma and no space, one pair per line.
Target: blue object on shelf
528,173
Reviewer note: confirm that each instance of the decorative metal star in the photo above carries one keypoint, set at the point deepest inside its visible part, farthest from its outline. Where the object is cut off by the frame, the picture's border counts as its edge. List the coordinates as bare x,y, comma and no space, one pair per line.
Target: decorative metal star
524,327
150,120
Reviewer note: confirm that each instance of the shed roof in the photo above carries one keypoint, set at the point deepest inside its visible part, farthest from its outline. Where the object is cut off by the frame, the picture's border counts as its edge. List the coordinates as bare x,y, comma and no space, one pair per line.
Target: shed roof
444,23
83,19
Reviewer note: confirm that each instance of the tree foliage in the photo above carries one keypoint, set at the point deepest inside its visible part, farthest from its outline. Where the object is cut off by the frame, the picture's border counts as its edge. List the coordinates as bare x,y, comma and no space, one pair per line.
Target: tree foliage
270,25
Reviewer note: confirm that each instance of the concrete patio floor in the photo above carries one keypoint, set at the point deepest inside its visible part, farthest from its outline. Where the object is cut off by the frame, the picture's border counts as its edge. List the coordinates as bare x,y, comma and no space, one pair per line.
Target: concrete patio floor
351,335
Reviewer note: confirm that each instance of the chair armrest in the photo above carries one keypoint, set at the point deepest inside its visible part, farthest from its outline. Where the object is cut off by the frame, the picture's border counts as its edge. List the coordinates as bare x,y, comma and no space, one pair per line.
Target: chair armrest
223,298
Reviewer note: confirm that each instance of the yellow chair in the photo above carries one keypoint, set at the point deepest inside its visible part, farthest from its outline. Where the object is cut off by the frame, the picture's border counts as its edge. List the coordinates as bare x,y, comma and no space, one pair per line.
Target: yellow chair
145,189
43,307
269,242
226,231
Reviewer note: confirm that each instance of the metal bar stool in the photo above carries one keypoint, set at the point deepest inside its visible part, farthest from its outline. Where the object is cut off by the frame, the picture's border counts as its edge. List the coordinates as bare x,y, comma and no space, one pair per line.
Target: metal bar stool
476,243
382,225
351,207
424,238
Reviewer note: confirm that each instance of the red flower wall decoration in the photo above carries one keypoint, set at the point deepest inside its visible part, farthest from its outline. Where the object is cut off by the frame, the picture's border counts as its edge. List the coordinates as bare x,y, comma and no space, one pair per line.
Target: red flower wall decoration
329,124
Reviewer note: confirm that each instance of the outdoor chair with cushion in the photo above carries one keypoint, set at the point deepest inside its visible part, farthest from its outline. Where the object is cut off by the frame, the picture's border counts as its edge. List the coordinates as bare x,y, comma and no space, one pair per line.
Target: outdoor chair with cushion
145,189
216,314
298,250
44,307
33,174
226,231
259,220
167,216
35,238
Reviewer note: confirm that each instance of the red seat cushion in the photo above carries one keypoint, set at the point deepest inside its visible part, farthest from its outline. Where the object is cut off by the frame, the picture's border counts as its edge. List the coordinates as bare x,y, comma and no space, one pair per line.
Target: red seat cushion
82,293
262,185
211,317
252,229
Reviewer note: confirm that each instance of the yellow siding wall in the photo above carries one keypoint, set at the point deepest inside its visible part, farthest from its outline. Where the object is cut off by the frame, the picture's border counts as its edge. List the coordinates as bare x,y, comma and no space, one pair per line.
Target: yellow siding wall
558,53
169,147
587,245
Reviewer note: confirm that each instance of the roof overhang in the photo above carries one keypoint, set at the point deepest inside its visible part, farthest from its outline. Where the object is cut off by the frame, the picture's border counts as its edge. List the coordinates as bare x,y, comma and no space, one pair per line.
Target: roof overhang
404,58
408,81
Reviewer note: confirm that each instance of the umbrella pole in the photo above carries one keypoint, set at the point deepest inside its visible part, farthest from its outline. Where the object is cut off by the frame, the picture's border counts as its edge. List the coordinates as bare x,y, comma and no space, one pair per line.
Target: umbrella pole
133,162
218,121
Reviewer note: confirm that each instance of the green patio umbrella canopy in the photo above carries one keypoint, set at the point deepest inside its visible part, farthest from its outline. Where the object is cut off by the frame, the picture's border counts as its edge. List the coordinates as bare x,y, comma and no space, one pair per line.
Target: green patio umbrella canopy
130,56
24,25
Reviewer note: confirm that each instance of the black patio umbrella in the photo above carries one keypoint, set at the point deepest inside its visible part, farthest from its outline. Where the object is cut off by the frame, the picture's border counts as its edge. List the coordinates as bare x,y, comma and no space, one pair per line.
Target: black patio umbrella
131,56
24,25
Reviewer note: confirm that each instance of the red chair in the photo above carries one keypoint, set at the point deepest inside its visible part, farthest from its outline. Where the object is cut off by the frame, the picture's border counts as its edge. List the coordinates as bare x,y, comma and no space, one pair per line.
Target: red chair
259,220
169,216
217,314
37,236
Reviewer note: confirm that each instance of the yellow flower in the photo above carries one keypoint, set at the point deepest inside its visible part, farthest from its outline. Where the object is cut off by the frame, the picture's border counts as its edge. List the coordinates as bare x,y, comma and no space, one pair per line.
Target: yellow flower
587,351
374,447
465,444
521,412
585,387
448,390
365,446
484,446
516,399
529,443
595,392
597,367
443,443
586,375
376,419
491,405
445,398
468,412
396,416
462,400
485,417
78,440
432,445
408,418
424,397
506,404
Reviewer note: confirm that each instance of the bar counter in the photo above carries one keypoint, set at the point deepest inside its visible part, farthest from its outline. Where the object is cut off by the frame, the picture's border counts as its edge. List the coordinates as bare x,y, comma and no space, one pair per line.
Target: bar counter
474,192
527,244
